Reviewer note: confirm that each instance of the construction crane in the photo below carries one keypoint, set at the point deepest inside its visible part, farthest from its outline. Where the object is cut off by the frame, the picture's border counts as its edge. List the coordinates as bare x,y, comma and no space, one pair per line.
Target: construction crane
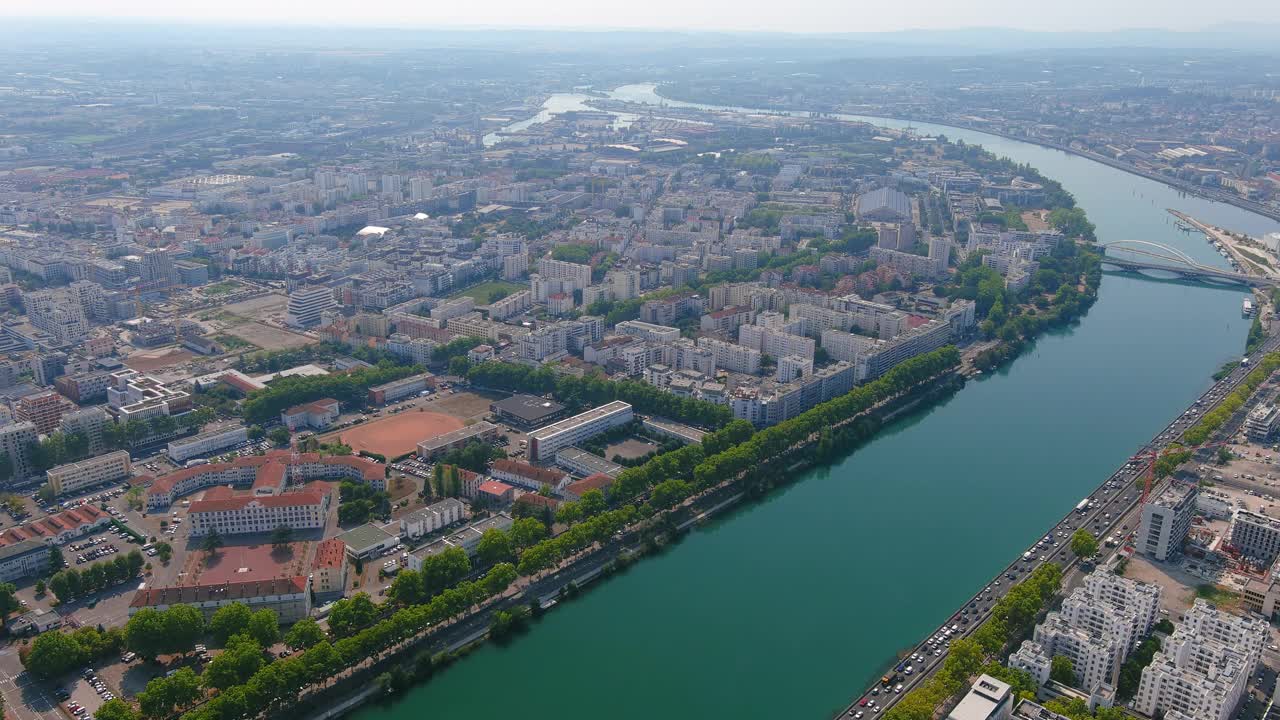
1151,457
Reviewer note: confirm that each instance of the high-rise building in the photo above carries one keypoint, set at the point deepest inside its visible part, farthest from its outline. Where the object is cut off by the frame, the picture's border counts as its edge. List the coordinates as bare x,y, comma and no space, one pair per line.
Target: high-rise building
306,304
1203,669
90,422
1165,521
16,440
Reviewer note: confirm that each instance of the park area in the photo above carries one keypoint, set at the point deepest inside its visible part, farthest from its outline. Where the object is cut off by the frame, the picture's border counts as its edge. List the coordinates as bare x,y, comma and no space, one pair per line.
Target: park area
487,292
398,434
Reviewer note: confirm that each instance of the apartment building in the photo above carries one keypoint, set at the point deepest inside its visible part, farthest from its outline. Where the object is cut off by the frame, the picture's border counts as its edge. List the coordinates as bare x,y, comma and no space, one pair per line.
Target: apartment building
774,342
329,568
1261,422
466,539
544,442
988,699
1203,669
23,559
731,356
71,477
648,331
317,415
1255,535
728,320
207,442
307,304
400,389
134,396
289,597
44,410
431,518
439,445
530,477
265,474
1166,518
226,514
89,422
16,439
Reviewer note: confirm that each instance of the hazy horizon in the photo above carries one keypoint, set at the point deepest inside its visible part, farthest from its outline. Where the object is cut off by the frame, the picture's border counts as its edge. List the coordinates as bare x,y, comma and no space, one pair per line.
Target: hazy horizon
798,16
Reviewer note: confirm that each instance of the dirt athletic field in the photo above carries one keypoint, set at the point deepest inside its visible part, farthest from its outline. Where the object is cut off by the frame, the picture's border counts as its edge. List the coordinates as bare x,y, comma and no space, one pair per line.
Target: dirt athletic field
398,434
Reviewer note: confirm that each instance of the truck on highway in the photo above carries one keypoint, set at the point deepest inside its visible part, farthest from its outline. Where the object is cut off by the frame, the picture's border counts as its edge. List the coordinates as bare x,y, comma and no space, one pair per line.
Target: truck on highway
1082,505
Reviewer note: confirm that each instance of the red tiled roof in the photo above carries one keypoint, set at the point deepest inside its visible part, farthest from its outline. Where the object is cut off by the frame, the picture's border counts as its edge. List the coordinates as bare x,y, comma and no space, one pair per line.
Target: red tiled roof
542,475
240,502
330,553
494,487
270,468
188,594
536,499
598,481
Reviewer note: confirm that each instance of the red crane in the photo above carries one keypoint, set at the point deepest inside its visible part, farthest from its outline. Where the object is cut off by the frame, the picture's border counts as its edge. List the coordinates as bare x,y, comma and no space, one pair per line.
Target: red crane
1152,456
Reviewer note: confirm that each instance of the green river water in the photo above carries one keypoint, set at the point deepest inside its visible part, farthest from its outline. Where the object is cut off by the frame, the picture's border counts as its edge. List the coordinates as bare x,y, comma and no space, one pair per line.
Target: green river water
788,607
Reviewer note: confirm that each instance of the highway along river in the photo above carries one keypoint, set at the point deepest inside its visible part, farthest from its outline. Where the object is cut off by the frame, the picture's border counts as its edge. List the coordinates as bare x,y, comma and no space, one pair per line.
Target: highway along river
788,607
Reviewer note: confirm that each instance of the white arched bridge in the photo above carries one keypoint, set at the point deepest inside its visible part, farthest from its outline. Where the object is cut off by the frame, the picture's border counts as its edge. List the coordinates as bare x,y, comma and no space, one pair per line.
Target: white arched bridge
1155,256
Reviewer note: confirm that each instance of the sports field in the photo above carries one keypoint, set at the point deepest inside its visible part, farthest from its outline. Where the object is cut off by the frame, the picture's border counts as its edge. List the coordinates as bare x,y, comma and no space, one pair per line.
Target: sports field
398,434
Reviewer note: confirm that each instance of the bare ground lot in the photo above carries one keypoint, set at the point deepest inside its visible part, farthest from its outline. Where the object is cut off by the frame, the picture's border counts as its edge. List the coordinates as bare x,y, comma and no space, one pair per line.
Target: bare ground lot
147,361
398,434
267,337
630,449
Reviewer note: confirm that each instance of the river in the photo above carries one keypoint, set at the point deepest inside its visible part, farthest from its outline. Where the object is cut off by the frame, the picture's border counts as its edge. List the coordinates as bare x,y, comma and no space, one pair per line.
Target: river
788,607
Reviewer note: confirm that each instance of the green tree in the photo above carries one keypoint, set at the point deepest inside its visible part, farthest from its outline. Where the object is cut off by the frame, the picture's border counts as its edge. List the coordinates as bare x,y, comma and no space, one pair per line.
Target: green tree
1062,670
281,537
264,627
116,709
229,620
52,654
164,551
236,664
495,547
55,559
279,435
8,600
1083,543
211,542
305,633
352,614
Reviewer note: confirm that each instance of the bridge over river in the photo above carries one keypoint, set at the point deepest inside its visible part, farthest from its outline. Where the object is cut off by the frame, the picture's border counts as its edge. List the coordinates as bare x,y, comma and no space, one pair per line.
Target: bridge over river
1155,256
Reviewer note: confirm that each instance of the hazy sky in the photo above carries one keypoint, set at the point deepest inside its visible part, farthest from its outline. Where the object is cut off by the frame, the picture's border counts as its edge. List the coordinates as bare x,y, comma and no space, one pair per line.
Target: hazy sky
785,15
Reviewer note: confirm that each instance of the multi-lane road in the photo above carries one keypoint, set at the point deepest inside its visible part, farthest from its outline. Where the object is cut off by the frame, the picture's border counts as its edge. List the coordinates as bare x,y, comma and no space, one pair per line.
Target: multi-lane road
1112,511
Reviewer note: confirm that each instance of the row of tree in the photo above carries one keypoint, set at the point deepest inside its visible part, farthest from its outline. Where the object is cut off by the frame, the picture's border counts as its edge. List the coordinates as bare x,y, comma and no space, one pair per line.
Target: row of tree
73,582
277,684
1215,418
56,652
347,388
1012,618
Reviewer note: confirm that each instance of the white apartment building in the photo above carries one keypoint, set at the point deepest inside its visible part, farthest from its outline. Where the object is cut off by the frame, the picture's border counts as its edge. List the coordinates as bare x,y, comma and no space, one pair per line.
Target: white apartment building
988,699
544,442
1203,670
186,448
431,518
307,304
16,439
1165,521
578,275
511,305
71,477
731,356
1255,535
240,515
1098,625
774,342
648,331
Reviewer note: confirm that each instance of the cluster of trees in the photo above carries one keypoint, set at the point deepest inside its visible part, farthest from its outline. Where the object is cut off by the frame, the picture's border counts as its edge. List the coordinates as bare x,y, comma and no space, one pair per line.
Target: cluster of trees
499,546
446,479
1052,298
237,618
72,582
136,432
269,361
349,389
151,633
1011,618
58,448
1256,336
274,685
474,456
1072,222
595,389
580,254
164,695
1078,709
1212,420
455,348
55,652
357,502
1131,670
